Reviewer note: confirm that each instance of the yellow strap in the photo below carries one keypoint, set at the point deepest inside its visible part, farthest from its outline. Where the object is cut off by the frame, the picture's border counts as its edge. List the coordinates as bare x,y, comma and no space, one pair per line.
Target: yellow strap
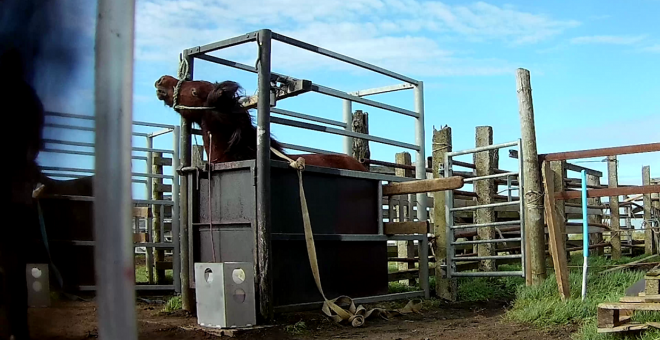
354,315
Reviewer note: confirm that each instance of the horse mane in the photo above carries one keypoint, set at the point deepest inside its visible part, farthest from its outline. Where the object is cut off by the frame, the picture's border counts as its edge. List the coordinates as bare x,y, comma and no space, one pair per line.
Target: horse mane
233,121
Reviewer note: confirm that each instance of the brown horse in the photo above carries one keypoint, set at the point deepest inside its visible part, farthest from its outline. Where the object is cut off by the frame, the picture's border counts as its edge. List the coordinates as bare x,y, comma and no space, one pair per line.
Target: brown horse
227,128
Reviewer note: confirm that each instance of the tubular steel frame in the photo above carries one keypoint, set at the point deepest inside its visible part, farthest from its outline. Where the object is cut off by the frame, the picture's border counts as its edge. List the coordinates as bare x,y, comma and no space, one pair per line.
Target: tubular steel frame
75,172
263,38
450,210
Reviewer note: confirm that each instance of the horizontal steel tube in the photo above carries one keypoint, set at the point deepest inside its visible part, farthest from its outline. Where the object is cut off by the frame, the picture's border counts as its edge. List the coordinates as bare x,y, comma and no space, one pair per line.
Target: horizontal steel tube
226,62
341,132
480,178
83,153
160,133
479,258
486,274
241,39
330,237
76,176
308,117
91,199
343,95
137,287
327,53
91,145
305,148
489,224
380,90
492,205
482,148
86,117
499,240
85,128
91,171
358,300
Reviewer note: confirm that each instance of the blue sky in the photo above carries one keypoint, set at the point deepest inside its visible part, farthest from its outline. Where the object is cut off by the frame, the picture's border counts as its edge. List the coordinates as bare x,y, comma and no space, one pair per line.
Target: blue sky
593,66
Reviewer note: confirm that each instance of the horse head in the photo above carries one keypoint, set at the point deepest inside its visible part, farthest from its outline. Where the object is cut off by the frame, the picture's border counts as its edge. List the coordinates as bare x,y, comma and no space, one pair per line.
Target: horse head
191,94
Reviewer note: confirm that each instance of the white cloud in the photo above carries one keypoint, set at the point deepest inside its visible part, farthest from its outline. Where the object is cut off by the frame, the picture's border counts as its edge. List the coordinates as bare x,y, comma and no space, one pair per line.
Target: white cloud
404,35
609,39
653,48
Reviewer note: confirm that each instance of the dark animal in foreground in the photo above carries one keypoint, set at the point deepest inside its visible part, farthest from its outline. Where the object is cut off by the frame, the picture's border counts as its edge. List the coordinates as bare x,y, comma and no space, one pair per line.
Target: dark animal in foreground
233,134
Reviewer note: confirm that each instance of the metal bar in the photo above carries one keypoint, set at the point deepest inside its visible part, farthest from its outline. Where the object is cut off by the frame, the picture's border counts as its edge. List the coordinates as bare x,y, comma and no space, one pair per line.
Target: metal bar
308,117
478,178
86,117
305,148
226,62
577,168
479,258
489,224
263,177
322,51
499,240
92,145
136,174
424,267
632,190
420,160
114,254
379,197
343,95
482,148
449,219
342,237
161,132
149,256
346,173
603,152
185,192
137,287
358,300
348,121
381,90
83,153
489,274
521,179
508,188
176,266
315,127
241,39
84,128
483,206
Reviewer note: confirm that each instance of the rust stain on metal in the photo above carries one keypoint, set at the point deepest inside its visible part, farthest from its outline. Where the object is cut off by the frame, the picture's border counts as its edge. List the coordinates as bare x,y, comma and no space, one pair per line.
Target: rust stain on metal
603,152
634,190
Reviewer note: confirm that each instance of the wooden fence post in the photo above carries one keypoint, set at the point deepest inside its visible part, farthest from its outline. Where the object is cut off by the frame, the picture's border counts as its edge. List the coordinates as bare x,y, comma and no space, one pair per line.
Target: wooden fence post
615,219
405,249
596,238
444,288
198,156
560,173
157,195
649,244
485,163
533,196
361,125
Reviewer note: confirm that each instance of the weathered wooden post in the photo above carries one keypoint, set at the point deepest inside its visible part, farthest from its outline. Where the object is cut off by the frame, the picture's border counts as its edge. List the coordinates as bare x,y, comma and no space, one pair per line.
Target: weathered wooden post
533,196
405,249
444,288
198,156
615,219
649,244
157,195
361,146
559,171
485,163
594,181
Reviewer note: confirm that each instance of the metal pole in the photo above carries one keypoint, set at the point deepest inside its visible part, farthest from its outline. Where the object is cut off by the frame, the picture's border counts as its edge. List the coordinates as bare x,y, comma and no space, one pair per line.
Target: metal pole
348,119
175,212
113,253
149,251
263,177
185,155
420,161
585,235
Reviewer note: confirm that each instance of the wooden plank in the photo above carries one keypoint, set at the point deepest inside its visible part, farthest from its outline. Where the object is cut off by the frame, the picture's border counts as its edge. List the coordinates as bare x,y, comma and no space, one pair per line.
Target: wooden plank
625,328
649,242
423,185
162,161
577,168
408,227
602,152
556,237
160,187
632,190
615,219
630,306
140,237
141,212
641,299
404,248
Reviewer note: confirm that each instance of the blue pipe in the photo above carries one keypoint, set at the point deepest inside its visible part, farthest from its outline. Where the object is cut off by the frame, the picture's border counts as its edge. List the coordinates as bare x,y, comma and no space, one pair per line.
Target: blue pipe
585,234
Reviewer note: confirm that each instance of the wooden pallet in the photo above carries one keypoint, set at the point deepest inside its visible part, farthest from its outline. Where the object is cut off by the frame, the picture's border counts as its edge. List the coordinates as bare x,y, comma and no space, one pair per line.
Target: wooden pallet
615,317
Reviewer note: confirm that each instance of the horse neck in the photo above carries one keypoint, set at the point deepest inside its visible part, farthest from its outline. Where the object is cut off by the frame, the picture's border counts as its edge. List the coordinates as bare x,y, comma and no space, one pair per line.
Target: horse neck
245,149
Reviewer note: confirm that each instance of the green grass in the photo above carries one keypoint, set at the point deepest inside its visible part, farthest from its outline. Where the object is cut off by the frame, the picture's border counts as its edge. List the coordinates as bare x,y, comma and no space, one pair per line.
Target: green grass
541,306
173,304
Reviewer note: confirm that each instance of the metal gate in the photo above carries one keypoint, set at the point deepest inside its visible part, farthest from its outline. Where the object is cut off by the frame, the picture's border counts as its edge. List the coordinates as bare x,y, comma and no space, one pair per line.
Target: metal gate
452,228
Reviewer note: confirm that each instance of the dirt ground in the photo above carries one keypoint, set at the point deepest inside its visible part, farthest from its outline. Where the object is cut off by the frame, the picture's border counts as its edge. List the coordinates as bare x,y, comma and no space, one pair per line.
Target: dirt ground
77,320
